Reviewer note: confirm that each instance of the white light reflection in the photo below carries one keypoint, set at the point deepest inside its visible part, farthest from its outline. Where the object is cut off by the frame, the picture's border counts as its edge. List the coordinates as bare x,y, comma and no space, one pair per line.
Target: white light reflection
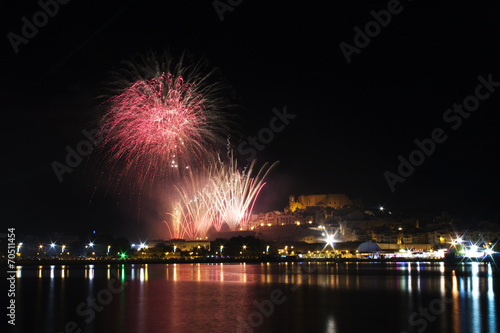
442,280
143,273
475,279
462,286
409,285
490,281
476,307
18,272
331,327
492,316
52,271
91,272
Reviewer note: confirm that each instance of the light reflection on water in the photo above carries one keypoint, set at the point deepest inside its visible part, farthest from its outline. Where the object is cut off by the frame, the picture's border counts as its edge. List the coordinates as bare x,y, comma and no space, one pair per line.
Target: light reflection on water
323,298
492,314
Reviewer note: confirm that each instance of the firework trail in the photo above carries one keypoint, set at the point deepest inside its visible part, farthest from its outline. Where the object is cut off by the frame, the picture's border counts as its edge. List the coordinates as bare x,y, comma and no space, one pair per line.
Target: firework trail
162,120
192,216
219,194
235,192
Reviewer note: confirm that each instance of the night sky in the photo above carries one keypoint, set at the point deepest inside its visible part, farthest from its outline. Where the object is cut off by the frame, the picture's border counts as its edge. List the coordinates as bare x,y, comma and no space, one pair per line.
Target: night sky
352,120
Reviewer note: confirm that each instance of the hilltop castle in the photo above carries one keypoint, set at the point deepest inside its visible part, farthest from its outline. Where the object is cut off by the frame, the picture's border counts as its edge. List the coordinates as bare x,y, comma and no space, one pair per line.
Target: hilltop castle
335,201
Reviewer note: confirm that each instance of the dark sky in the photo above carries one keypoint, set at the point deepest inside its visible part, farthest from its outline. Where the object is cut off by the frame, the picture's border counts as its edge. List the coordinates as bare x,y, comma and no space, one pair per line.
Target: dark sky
352,121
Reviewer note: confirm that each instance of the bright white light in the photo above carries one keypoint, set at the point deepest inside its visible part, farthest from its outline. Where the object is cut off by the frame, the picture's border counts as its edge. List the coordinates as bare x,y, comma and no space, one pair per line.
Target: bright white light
91,244
329,239
473,253
381,208
52,245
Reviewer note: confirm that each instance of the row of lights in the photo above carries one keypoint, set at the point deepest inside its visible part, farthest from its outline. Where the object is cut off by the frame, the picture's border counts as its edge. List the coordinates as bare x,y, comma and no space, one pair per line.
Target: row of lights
145,246
473,250
270,224
63,247
53,246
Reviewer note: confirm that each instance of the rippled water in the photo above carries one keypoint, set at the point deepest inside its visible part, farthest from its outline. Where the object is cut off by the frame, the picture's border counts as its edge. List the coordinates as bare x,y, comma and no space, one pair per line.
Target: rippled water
268,297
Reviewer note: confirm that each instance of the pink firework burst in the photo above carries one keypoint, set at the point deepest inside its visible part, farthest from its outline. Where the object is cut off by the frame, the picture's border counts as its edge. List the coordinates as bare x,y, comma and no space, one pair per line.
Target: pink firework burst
156,128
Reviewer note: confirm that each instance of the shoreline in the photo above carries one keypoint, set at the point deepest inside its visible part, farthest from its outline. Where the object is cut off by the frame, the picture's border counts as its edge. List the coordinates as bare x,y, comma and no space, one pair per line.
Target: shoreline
49,262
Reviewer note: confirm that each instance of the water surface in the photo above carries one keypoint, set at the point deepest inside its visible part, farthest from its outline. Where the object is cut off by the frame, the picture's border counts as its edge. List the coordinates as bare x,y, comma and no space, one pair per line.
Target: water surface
267,297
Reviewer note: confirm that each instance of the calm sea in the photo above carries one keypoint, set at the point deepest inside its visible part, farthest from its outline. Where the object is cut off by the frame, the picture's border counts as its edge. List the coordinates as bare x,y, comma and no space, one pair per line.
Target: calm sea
267,297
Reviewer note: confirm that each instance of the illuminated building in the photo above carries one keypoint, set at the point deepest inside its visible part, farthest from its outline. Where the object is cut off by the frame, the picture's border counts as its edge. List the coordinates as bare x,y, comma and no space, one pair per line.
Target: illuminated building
335,201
